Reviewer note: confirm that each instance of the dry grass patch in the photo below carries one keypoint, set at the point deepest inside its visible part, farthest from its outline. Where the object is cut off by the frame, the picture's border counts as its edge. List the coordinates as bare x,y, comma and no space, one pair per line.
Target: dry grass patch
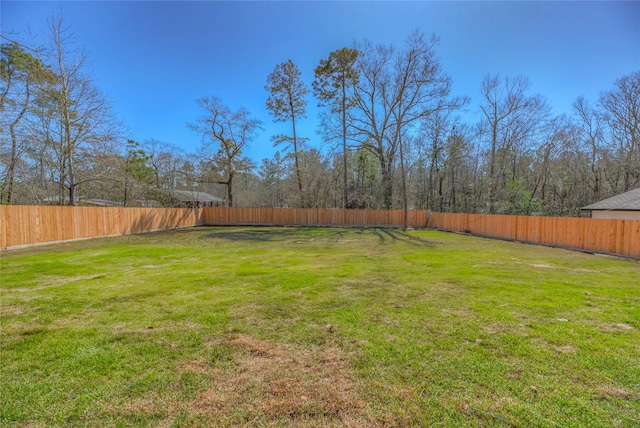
542,266
160,408
497,328
273,382
617,327
12,310
197,366
566,349
606,392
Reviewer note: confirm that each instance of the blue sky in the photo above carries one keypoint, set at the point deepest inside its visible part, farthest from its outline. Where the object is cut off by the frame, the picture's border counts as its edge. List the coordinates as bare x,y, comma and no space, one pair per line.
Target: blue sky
154,59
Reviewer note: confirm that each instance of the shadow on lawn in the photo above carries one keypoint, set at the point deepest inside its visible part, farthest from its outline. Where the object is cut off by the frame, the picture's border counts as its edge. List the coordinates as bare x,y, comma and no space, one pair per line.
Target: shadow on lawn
396,235
384,235
260,235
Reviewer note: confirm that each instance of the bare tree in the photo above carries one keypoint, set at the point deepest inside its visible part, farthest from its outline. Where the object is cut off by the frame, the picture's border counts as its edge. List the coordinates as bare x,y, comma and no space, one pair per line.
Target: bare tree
622,108
396,89
74,114
224,135
20,73
512,118
441,150
592,124
164,159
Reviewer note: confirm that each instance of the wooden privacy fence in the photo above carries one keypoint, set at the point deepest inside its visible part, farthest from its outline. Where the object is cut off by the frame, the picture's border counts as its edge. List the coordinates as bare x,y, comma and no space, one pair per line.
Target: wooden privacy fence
312,217
597,235
29,225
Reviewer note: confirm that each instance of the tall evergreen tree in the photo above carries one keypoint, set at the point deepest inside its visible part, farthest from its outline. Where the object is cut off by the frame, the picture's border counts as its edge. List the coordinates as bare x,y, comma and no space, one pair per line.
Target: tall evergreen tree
287,102
336,77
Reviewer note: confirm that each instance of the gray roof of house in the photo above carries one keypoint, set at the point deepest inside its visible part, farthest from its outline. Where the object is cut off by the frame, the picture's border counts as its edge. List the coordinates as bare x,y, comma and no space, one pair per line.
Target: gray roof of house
189,196
101,202
628,201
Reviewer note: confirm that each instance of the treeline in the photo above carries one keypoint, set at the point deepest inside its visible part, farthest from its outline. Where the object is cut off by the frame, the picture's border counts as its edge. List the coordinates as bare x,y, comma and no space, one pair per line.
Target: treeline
393,135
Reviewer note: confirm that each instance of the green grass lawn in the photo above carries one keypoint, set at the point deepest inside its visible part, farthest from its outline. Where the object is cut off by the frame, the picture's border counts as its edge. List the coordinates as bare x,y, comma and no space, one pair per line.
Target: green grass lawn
317,327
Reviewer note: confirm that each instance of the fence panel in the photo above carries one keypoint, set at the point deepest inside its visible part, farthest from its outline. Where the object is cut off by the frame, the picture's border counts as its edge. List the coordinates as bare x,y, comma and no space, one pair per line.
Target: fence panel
311,217
598,235
29,225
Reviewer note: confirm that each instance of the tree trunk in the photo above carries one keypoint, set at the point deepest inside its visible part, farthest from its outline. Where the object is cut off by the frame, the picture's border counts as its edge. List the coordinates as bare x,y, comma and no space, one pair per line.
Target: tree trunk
230,188
345,175
295,155
387,186
404,186
14,148
13,160
71,177
492,162
126,184
452,207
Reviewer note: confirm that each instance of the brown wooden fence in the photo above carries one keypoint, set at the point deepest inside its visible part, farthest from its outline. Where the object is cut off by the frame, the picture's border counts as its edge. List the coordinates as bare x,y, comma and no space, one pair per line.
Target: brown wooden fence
30,225
597,235
312,217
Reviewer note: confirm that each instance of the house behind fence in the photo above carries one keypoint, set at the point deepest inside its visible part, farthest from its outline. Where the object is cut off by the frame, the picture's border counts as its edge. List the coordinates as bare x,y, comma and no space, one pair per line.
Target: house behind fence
625,206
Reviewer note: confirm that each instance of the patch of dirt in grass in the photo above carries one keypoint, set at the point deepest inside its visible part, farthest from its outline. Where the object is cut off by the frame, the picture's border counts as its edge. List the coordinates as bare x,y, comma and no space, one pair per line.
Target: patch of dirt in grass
604,392
542,266
567,349
11,310
153,406
281,383
515,374
457,312
617,327
504,328
197,367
